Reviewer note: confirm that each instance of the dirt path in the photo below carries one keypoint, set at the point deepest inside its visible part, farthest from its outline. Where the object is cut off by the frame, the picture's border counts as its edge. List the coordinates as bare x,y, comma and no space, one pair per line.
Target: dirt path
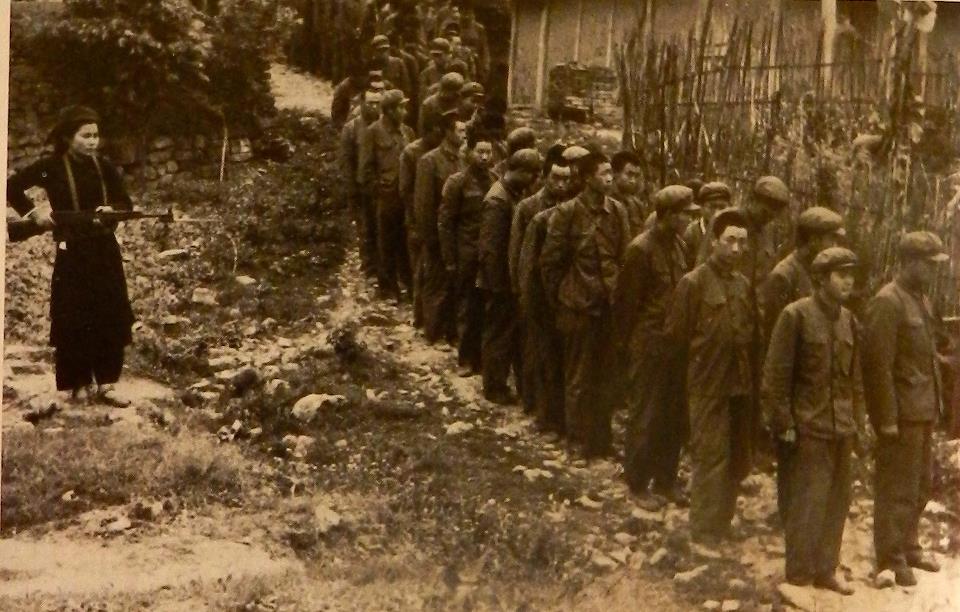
296,90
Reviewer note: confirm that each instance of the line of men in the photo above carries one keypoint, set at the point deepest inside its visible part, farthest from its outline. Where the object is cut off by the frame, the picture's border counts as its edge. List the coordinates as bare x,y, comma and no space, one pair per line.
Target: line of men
556,270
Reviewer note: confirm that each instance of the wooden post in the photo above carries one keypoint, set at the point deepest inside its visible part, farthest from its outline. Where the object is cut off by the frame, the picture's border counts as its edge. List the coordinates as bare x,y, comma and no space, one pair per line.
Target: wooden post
576,41
542,51
513,52
611,19
828,10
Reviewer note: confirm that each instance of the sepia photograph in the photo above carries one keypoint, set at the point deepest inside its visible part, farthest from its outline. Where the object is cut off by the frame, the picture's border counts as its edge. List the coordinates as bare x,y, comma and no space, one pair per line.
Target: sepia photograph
480,305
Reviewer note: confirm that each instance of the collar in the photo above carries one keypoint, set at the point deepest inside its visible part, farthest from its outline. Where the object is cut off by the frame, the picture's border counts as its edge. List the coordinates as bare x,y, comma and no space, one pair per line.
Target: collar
449,150
832,311
719,270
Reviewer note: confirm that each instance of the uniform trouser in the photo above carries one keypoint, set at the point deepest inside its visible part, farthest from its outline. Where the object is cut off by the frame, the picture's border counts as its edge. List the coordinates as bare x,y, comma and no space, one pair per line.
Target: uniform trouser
820,473
542,373
470,310
720,429
438,293
587,386
365,218
391,243
415,253
501,346
903,474
784,456
659,425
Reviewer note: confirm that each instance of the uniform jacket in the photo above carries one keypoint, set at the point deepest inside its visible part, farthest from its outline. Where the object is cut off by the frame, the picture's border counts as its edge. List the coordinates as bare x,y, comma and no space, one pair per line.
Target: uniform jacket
351,138
343,96
498,208
381,148
582,254
636,211
787,282
433,170
432,107
655,262
428,76
522,216
695,237
811,376
406,181
460,215
710,319
532,297
900,371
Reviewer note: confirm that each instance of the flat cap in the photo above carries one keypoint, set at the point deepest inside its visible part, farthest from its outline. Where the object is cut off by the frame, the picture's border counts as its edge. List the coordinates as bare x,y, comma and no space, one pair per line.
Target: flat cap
695,184
525,159
521,138
373,95
472,89
380,42
714,190
450,114
772,189
440,45
392,98
922,245
820,220
451,82
673,198
833,258
732,215
572,154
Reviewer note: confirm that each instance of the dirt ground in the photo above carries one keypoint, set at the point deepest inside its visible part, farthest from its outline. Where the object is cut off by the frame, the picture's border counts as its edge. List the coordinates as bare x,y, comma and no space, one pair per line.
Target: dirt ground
404,491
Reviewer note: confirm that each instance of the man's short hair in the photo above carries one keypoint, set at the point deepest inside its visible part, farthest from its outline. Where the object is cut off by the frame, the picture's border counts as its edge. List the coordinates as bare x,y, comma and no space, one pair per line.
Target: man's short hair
728,217
448,121
477,135
588,164
554,157
623,158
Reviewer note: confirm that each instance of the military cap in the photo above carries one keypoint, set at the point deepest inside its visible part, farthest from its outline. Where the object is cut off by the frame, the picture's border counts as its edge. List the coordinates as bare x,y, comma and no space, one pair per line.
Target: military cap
373,95
521,138
472,89
832,259
572,154
728,216
674,198
380,42
393,98
695,184
526,159
820,220
772,189
714,190
441,45
450,114
451,82
922,245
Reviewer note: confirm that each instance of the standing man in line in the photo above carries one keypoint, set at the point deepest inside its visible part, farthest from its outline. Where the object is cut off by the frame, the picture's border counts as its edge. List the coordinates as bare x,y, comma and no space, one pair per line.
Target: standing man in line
902,387
409,159
383,144
655,263
501,346
459,226
364,212
711,197
709,319
433,170
446,99
627,188
813,392
586,243
394,69
436,67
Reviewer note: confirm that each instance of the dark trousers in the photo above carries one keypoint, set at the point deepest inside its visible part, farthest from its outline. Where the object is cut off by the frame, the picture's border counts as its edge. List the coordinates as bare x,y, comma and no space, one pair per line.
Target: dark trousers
658,426
415,253
542,372
820,472
366,220
587,382
470,310
500,346
438,293
785,453
720,432
903,475
391,244
79,366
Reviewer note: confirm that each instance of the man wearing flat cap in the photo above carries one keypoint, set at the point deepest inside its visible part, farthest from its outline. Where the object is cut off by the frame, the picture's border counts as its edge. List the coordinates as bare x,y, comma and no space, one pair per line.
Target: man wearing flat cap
709,320
471,98
436,68
383,143
519,138
501,341
903,391
818,228
813,398
446,99
352,136
394,70
655,262
586,243
711,197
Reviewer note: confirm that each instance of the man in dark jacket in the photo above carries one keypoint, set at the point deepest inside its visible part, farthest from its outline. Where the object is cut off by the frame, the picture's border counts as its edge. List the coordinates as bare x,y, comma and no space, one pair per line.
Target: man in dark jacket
459,226
655,263
364,211
446,99
394,69
433,170
711,197
813,396
628,187
501,346
709,319
902,389
586,242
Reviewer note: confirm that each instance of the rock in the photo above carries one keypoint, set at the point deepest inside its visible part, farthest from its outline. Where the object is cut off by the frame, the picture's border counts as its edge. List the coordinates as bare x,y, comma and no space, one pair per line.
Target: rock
586,502
711,604
620,556
624,539
325,518
307,407
341,443
637,560
658,557
244,380
553,464
118,525
204,297
277,385
298,446
730,605
689,576
802,598
535,474
69,496
735,584
394,410
645,516
174,254
705,551
885,579
458,427
602,561
245,281
40,411
223,362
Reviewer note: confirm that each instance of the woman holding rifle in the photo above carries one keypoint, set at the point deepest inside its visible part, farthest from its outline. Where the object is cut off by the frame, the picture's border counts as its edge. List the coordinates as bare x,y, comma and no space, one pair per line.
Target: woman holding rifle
90,314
